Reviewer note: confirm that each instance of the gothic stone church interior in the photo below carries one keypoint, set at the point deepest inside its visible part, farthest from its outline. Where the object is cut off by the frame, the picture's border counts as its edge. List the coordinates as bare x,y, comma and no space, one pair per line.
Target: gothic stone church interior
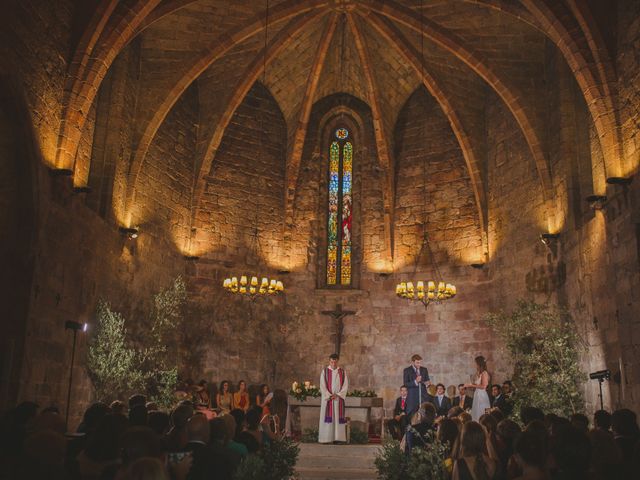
344,148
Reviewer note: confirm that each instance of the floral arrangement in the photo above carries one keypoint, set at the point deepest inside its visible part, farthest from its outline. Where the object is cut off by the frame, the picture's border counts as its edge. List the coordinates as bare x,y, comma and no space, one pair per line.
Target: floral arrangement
362,394
300,391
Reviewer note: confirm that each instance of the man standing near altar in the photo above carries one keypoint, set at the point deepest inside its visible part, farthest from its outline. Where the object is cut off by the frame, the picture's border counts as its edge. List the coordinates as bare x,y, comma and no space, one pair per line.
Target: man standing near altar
333,387
416,378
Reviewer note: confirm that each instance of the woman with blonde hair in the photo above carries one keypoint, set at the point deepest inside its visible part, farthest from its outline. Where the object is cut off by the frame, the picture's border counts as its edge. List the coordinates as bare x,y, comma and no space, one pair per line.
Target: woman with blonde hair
474,462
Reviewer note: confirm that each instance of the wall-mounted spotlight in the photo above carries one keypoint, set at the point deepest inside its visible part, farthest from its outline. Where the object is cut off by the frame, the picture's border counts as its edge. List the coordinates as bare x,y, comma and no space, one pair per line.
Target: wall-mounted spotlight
77,326
597,202
477,266
192,258
130,232
622,181
549,238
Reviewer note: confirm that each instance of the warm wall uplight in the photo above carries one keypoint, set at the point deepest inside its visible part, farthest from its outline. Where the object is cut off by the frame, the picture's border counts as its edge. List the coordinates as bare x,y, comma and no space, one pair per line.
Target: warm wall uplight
621,181
60,172
130,232
477,266
597,202
549,238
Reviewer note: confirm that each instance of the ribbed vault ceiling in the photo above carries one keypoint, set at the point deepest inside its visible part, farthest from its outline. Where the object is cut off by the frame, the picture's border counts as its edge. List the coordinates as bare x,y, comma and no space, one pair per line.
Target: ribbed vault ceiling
378,51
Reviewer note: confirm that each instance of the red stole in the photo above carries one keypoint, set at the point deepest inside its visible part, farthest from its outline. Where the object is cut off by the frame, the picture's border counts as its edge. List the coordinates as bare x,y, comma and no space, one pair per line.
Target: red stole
328,379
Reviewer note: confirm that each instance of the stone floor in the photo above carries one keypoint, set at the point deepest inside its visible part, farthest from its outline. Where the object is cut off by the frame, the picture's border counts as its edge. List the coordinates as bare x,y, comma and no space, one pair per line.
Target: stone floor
336,462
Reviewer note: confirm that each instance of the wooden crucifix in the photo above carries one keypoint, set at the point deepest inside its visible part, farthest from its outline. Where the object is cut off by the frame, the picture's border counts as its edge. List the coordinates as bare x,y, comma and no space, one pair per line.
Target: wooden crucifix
338,316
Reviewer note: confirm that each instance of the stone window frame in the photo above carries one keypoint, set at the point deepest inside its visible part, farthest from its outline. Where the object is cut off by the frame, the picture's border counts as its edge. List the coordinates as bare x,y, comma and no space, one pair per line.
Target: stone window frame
336,118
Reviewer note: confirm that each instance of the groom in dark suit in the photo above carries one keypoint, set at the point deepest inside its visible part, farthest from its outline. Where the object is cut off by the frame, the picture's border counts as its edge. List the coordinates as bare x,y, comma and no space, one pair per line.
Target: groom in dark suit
416,379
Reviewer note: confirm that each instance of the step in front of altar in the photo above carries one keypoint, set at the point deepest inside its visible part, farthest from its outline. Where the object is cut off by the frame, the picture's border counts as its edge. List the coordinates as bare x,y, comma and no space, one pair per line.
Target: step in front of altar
336,462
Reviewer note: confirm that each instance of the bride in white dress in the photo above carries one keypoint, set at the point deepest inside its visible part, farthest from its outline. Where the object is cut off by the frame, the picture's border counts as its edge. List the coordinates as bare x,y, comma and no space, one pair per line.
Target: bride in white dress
480,397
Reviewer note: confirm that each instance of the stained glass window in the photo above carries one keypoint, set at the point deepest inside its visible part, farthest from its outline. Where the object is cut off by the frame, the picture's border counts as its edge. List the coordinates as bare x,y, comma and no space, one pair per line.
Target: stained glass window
339,227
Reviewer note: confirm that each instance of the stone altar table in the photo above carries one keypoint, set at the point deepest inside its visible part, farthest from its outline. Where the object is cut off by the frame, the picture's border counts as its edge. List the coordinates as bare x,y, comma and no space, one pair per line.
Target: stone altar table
304,414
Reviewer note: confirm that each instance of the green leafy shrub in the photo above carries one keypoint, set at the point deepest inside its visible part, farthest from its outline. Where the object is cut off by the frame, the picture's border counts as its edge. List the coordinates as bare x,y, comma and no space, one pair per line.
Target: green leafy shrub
358,437
276,461
111,361
424,463
119,365
310,435
545,349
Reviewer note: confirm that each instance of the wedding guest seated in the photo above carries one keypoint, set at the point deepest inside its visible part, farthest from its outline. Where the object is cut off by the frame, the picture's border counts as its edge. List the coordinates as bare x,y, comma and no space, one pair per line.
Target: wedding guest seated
448,434
506,433
241,398
474,461
421,422
498,400
490,425
606,458
626,434
531,456
201,396
176,438
138,416
90,421
497,414
507,389
263,399
398,424
140,442
602,420
529,414
224,398
255,434
102,448
118,407
145,468
239,417
219,443
441,401
208,463
462,400
454,411
580,421
44,454
571,453
230,425
158,421
465,417
278,410
137,399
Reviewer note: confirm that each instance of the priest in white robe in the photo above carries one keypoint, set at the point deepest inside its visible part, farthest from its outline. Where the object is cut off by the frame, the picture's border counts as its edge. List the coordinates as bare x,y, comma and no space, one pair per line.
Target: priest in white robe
333,387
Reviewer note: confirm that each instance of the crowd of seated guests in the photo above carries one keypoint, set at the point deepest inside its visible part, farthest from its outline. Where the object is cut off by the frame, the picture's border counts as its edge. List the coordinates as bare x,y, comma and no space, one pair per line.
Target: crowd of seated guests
137,440
549,447
499,396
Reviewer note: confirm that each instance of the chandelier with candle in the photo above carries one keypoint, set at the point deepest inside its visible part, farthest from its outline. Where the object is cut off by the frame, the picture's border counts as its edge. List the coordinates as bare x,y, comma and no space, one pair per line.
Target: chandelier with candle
436,289
252,287
430,291
248,285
